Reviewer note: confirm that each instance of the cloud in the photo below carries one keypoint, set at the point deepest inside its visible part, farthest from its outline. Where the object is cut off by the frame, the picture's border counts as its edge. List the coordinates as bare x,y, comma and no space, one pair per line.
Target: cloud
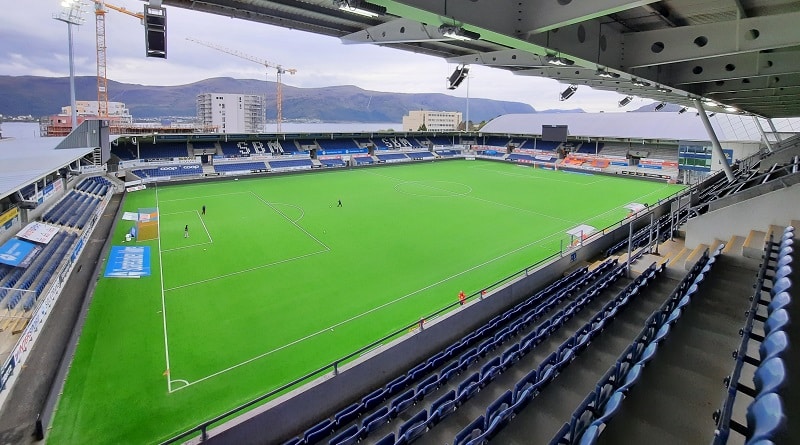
36,44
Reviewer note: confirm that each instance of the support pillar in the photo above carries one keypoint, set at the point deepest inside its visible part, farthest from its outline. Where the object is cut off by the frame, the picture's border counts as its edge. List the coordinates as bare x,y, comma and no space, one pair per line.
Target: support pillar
763,135
716,147
774,130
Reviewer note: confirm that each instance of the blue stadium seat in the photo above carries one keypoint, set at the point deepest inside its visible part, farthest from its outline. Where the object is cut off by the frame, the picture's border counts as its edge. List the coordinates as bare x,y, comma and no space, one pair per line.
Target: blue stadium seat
414,427
347,437
373,399
468,387
770,376
443,407
774,345
318,432
765,418
387,440
375,420
427,386
402,402
348,414
470,432
777,320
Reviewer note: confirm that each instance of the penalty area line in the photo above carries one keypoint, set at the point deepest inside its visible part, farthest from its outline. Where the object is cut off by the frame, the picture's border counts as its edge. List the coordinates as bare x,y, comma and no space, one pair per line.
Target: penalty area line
365,313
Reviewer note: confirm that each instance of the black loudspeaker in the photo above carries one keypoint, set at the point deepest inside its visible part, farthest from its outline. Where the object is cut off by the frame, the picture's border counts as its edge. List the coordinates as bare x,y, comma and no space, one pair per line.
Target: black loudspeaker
155,31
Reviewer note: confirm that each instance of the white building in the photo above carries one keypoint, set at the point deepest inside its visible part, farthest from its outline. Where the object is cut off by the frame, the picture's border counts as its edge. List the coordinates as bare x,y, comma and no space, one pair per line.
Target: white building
231,113
432,120
117,111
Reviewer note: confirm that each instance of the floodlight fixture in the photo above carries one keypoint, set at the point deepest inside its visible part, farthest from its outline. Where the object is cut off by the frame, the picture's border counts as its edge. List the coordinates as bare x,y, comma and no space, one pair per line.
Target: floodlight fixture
556,60
661,106
640,83
683,110
360,7
461,72
569,92
458,33
72,14
625,101
606,74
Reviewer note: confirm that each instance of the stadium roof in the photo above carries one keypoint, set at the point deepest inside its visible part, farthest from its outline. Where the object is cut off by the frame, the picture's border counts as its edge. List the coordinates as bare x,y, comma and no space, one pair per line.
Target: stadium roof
24,161
737,54
644,125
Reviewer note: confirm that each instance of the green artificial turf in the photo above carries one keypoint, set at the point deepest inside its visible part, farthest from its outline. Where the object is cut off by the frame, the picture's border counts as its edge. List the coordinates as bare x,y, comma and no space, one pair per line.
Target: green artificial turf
276,281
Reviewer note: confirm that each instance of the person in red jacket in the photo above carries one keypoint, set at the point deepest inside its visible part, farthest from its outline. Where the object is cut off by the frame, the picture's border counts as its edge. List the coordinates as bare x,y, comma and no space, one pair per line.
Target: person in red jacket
462,298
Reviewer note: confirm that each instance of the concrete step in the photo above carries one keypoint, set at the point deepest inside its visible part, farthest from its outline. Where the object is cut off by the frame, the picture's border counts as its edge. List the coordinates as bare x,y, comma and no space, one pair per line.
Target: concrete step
675,267
796,225
694,256
753,246
734,245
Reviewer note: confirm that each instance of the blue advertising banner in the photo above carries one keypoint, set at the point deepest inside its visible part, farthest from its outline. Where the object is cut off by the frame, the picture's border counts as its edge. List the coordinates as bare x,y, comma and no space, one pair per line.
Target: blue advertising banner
128,262
15,252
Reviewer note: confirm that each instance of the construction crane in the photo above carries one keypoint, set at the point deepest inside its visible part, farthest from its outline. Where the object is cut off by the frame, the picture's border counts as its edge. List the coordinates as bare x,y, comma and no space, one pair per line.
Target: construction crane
280,70
100,26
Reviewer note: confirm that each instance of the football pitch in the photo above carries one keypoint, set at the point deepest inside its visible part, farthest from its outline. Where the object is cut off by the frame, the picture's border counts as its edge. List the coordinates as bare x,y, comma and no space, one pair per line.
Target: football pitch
276,280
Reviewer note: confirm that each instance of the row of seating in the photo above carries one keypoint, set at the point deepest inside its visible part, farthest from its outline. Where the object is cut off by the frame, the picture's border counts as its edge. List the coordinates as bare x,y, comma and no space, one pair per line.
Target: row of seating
765,416
363,160
601,405
291,164
21,283
240,167
500,412
73,210
471,385
556,291
332,162
392,157
418,155
168,171
94,185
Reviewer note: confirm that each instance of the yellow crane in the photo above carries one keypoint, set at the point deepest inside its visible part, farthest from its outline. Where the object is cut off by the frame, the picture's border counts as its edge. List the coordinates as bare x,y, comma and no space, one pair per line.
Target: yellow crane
278,68
100,27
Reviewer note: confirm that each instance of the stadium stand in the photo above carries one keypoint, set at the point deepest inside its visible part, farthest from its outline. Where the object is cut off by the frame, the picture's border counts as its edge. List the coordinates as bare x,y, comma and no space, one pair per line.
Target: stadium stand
337,146
497,141
441,372
363,160
544,145
392,157
765,329
168,171
94,185
418,155
163,151
240,167
231,149
332,162
124,152
290,164
442,140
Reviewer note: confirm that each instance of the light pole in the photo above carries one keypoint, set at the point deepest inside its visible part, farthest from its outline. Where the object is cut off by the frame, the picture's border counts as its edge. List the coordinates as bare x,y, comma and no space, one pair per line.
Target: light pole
71,14
466,127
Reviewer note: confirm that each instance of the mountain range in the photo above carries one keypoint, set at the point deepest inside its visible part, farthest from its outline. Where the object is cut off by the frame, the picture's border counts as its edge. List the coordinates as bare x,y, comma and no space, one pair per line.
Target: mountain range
42,96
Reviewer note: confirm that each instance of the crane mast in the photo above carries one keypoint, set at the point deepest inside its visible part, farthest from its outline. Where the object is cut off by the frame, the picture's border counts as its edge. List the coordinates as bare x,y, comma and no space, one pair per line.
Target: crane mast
278,68
100,30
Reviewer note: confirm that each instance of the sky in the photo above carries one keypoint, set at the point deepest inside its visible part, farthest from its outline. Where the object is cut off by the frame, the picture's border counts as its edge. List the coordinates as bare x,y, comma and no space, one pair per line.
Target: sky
33,43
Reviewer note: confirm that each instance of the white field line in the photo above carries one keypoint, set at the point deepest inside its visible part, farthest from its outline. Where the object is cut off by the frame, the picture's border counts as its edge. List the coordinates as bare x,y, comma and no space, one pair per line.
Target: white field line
355,317
210,241
294,223
250,269
204,197
544,215
163,302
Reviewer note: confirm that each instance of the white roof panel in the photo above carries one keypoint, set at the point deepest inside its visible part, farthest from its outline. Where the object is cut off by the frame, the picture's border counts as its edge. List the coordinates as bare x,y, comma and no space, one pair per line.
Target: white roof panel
23,161
639,125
